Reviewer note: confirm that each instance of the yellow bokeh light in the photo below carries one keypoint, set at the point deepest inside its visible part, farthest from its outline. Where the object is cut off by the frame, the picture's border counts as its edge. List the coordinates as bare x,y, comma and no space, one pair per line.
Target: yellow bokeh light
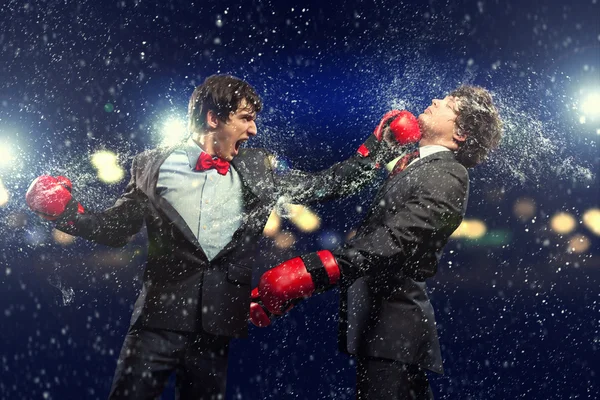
578,244
285,240
591,219
273,225
470,229
107,164
303,218
103,158
111,174
562,223
524,208
62,238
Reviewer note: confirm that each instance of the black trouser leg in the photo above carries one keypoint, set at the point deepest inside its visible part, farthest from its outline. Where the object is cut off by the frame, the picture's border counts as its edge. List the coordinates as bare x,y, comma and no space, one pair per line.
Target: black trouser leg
381,379
146,360
203,373
149,356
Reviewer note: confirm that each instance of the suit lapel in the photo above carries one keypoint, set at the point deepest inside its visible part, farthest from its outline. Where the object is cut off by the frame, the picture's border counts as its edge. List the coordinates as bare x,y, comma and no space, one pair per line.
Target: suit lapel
393,181
160,203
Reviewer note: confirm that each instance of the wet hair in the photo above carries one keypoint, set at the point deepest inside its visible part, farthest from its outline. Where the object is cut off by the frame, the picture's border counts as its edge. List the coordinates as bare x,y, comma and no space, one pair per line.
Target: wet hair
479,120
223,94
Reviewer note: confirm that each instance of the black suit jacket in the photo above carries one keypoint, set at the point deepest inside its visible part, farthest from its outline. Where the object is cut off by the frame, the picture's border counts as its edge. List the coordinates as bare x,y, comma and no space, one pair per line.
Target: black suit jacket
384,308
182,290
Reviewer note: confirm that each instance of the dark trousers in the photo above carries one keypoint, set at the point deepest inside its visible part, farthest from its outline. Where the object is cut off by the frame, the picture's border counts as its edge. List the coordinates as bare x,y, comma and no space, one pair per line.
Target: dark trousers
150,356
380,379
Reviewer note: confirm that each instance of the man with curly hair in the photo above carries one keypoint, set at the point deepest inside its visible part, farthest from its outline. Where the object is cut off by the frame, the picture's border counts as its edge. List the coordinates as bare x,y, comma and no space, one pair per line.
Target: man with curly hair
386,318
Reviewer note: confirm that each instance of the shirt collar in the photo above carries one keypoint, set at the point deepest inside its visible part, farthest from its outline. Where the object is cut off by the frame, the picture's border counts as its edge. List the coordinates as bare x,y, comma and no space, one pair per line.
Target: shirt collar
431,149
193,152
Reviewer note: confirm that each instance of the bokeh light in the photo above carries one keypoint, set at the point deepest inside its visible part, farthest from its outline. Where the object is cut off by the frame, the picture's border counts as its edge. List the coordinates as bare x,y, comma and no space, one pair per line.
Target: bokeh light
4,195
578,244
285,240
591,220
273,225
109,170
173,130
590,106
303,218
7,154
470,229
562,223
524,208
64,239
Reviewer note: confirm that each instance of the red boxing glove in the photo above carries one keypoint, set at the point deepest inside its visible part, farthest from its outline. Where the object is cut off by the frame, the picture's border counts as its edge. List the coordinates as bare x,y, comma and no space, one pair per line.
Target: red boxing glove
296,279
386,121
405,129
259,315
51,199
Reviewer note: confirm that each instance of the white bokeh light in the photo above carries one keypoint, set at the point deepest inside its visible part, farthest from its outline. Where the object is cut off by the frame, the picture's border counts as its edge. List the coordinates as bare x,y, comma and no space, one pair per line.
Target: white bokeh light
173,130
590,105
7,155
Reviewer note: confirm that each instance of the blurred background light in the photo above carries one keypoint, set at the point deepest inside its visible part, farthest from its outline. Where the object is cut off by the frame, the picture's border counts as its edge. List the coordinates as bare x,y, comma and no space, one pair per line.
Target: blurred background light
329,240
303,218
590,105
7,154
273,225
64,239
4,195
578,244
284,240
591,220
562,223
470,229
173,130
107,165
524,208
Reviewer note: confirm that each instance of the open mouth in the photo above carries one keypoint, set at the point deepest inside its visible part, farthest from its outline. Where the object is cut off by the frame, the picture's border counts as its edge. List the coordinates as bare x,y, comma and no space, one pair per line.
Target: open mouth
238,144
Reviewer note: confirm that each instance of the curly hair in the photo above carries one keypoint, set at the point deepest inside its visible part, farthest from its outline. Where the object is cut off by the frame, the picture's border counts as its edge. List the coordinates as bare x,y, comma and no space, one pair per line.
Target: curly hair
479,120
222,94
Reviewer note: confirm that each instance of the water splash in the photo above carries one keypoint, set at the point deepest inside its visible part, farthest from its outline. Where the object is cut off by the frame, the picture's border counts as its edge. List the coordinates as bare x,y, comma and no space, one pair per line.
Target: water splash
68,294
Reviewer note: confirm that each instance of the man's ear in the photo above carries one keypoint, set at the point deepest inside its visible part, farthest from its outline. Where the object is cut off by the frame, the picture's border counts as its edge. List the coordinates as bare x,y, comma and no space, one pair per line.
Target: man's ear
212,121
459,136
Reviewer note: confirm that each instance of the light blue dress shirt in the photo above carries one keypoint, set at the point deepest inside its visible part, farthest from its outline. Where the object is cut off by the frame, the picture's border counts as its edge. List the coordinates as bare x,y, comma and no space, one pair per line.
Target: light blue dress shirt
211,204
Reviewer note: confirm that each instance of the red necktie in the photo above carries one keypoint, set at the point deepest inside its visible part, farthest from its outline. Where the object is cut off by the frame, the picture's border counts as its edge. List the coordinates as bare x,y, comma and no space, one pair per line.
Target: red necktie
205,161
403,162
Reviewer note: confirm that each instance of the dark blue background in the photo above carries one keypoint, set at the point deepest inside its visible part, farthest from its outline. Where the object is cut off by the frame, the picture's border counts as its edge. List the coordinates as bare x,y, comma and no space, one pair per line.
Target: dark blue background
518,320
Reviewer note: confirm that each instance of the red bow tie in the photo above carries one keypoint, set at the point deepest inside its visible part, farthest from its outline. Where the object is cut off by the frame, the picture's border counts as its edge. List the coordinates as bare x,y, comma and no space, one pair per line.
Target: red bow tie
205,161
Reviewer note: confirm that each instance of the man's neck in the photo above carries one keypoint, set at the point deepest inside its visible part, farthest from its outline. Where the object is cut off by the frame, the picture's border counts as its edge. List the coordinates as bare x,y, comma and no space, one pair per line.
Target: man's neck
439,142
204,140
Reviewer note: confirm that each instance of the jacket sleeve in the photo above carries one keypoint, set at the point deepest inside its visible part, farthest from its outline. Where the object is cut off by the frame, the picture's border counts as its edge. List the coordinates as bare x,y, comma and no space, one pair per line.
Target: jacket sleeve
341,179
407,239
115,226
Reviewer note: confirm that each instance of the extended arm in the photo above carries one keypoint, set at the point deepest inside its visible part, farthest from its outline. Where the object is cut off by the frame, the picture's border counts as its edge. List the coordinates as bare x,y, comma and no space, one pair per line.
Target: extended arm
51,198
402,244
349,176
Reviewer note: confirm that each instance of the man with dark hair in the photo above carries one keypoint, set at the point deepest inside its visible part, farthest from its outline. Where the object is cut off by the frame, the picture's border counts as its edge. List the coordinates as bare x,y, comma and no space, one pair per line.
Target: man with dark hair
386,318
204,202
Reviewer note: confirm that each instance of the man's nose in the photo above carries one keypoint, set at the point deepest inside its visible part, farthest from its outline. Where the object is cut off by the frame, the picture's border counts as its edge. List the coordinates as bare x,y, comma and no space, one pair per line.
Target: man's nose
252,129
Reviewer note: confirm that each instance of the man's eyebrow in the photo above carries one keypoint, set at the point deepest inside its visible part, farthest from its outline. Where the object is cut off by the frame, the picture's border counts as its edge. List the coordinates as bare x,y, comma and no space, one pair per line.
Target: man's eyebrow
453,103
248,113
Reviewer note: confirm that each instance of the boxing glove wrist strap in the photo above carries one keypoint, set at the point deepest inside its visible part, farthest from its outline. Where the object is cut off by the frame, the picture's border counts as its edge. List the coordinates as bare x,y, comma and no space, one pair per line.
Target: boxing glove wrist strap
317,270
70,213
